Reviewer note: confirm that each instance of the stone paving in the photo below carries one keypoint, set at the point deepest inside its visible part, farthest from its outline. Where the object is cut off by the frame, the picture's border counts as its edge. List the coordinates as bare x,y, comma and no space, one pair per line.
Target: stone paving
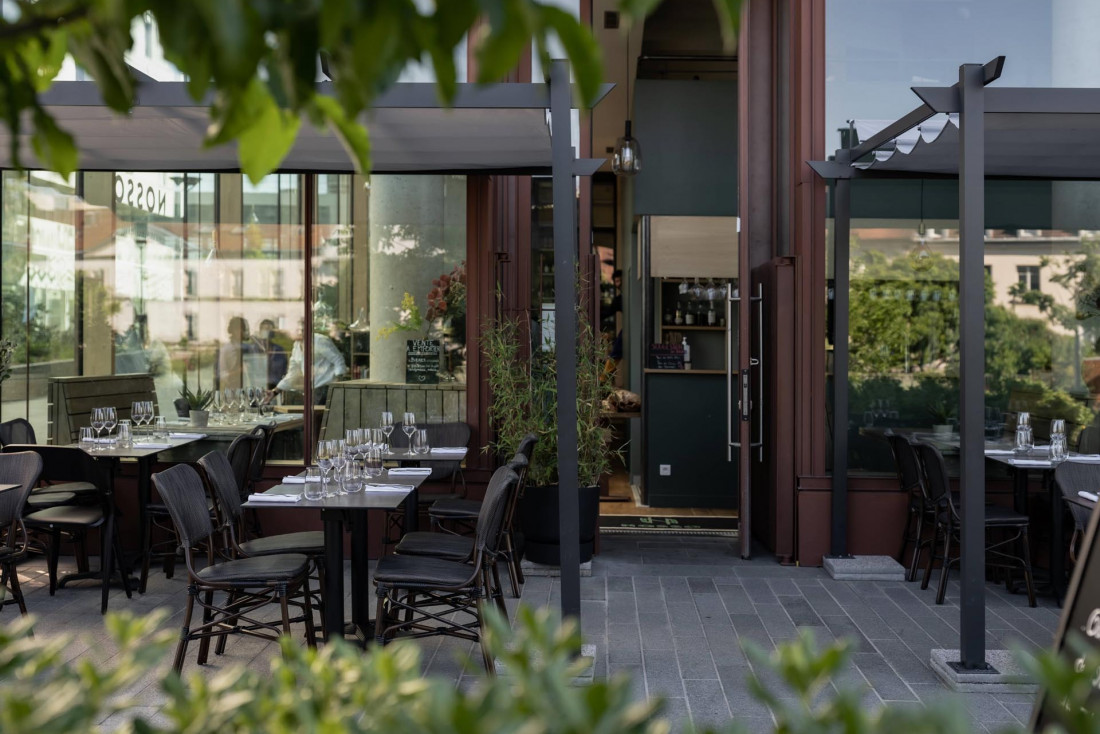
670,611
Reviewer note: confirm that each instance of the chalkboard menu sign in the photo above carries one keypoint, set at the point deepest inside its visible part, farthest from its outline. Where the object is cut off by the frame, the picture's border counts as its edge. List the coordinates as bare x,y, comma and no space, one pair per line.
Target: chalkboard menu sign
666,356
422,361
1080,618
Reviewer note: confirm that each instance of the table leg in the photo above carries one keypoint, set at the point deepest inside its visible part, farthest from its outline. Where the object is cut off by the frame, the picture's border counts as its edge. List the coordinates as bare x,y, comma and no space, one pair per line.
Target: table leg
333,593
360,577
1057,538
1019,490
412,511
144,492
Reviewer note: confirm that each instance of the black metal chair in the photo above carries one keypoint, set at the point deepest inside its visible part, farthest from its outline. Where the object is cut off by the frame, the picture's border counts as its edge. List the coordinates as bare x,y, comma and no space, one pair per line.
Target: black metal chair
454,547
1073,477
439,434
256,474
948,527
420,596
907,465
19,431
251,583
21,469
65,463
220,482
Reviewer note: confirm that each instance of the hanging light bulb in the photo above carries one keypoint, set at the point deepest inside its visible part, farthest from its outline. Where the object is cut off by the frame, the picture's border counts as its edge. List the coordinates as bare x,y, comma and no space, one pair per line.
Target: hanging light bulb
920,257
626,160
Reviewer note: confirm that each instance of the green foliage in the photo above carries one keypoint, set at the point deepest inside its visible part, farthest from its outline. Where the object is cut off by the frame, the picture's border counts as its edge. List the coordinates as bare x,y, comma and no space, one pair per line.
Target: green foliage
408,318
524,396
259,61
7,349
197,400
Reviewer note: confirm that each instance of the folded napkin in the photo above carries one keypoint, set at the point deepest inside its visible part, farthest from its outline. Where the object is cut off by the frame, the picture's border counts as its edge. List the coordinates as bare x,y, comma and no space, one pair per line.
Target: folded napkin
102,440
1031,462
411,471
1085,458
449,450
294,480
178,434
999,452
387,488
274,497
1089,496
151,445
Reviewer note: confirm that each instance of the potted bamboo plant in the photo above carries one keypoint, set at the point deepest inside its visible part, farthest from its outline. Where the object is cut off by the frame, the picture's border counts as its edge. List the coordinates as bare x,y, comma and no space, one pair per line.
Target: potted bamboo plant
524,400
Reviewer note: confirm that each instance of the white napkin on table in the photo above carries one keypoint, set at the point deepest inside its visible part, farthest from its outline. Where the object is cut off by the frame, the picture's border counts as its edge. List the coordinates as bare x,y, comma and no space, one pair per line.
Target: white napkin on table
274,497
178,434
999,452
149,445
294,480
1031,462
449,450
411,471
1085,458
387,488
1089,496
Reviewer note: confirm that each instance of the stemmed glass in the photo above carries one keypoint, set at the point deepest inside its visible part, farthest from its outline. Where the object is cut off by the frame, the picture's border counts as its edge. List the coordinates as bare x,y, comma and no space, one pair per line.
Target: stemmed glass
324,459
110,420
230,402
408,425
387,426
99,417
150,411
137,414
339,458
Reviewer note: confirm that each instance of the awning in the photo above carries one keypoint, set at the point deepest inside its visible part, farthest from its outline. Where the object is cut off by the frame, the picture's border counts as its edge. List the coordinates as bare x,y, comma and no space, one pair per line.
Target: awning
494,129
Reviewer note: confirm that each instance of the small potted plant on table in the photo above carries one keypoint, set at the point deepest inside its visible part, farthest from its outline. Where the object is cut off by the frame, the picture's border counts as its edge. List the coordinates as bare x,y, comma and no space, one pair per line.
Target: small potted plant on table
197,402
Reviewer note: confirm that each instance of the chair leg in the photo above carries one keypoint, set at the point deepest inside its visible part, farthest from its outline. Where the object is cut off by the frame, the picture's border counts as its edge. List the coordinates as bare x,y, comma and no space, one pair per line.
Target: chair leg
945,567
284,607
1028,582
219,649
513,563
931,557
80,552
311,632
185,631
486,655
106,563
917,545
120,562
380,618
17,593
51,559
498,591
207,618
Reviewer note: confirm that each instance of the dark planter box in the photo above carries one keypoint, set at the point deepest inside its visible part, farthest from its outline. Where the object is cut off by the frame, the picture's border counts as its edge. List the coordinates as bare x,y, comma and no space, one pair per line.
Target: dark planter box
538,520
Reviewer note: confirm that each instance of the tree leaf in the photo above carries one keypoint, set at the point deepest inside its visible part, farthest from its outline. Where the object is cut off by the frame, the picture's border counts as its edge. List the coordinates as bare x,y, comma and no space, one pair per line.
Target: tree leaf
582,49
265,142
54,147
354,136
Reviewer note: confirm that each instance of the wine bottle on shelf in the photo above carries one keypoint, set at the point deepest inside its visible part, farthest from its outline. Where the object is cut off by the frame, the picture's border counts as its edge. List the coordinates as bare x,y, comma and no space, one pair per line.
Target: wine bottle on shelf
687,353
712,317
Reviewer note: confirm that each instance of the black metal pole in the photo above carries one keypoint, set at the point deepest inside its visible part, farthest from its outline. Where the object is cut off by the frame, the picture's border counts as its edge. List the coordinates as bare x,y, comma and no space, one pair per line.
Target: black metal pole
972,363
842,214
565,335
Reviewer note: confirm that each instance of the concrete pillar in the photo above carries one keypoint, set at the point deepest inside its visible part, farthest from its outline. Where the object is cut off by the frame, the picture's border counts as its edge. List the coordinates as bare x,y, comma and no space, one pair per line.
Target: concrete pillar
417,233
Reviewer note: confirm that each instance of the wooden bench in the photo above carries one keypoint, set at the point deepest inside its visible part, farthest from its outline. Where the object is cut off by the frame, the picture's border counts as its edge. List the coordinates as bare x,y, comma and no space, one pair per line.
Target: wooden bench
359,404
71,399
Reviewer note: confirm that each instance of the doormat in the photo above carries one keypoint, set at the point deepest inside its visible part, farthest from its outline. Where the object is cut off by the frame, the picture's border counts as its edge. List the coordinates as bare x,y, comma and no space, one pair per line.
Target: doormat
668,524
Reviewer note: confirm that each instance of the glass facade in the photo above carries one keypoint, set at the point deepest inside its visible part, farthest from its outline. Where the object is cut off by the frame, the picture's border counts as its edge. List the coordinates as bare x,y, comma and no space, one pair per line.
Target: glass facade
200,279
1042,253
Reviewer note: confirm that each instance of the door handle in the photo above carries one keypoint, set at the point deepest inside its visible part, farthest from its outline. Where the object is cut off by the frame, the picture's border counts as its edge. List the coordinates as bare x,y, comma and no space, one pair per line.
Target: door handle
746,401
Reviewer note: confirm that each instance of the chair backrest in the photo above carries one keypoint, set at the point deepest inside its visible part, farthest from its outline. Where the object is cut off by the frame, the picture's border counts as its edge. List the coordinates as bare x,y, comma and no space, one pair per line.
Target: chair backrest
22,468
906,463
1087,443
17,430
490,519
936,481
1073,477
259,456
70,464
527,446
240,455
222,485
519,465
181,489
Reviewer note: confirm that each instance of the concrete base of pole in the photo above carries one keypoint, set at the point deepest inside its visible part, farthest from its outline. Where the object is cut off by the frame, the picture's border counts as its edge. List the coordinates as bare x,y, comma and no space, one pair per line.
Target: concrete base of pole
541,569
584,678
864,568
1002,674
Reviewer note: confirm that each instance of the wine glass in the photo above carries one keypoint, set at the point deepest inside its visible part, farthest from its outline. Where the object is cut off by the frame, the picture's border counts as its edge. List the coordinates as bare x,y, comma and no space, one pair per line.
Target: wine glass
387,426
136,410
149,411
408,425
374,462
324,459
99,417
110,420
339,457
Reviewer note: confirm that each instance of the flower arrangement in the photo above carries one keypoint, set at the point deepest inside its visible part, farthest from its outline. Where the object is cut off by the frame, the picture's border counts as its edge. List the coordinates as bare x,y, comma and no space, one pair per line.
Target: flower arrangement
447,298
408,318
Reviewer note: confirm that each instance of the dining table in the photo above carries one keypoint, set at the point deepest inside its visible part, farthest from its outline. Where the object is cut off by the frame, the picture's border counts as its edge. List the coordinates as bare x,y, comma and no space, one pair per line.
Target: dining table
341,513
144,452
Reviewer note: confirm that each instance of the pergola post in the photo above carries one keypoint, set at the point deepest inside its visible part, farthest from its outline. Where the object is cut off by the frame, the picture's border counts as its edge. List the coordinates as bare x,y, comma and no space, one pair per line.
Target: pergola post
842,217
972,364
565,335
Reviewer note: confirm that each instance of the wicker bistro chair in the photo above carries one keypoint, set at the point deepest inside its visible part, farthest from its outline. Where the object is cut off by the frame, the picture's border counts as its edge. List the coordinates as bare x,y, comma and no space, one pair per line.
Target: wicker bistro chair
218,475
20,431
907,464
420,596
439,434
66,463
251,583
22,469
452,547
948,528
1072,478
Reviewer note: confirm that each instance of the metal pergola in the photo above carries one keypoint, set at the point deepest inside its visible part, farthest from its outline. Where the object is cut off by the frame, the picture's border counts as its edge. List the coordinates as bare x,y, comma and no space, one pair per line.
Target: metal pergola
1021,133
489,129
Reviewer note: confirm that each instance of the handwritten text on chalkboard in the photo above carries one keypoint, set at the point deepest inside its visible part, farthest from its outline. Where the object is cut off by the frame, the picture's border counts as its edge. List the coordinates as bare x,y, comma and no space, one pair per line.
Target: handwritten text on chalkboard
422,361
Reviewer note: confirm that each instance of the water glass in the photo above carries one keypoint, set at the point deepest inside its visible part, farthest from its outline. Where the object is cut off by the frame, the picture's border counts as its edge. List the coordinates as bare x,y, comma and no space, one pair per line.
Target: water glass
420,442
1057,439
374,462
87,438
1023,439
353,478
160,428
313,489
125,434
